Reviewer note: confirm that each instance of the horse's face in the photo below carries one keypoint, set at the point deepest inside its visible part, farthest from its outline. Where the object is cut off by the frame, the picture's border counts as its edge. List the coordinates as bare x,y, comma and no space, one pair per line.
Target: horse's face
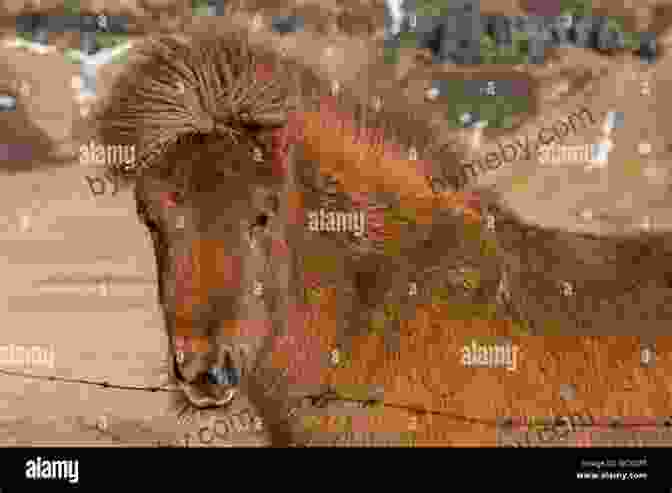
216,243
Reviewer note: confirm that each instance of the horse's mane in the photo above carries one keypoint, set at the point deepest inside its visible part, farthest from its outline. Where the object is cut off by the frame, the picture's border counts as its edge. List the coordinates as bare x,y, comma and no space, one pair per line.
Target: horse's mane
174,91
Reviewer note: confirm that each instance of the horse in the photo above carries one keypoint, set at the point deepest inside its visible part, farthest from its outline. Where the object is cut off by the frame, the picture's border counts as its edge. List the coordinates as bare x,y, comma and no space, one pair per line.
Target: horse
227,135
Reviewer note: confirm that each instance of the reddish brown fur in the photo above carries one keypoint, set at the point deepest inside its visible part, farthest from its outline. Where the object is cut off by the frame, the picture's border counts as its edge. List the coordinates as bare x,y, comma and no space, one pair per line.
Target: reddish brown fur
363,161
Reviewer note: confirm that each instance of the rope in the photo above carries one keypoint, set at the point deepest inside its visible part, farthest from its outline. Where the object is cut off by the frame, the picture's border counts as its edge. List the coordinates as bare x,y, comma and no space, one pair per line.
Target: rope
321,399
82,381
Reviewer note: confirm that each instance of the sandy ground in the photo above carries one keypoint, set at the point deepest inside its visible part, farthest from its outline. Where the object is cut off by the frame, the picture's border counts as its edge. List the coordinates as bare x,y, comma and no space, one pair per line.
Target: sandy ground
622,190
118,338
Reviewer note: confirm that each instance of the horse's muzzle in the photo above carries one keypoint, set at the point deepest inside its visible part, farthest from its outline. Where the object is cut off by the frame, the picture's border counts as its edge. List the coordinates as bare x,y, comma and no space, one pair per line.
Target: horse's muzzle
216,387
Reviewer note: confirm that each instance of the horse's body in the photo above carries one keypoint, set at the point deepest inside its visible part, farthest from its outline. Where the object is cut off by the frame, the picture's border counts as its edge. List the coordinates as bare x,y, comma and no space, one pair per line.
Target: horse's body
228,139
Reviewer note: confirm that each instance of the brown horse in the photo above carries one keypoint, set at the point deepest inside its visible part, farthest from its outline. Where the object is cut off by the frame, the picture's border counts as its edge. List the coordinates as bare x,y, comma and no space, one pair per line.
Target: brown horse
217,185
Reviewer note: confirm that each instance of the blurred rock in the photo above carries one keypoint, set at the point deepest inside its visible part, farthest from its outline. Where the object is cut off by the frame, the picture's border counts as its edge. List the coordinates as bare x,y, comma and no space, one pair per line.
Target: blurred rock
460,34
537,50
608,39
394,17
584,32
648,50
287,24
502,31
88,43
7,103
561,30
519,23
216,7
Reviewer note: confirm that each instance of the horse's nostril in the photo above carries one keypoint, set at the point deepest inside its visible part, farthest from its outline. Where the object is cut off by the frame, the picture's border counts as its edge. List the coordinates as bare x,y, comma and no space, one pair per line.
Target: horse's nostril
217,376
223,376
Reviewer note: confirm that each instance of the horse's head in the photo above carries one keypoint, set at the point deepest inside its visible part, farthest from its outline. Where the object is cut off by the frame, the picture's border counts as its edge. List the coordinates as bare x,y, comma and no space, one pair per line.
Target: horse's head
208,187
214,242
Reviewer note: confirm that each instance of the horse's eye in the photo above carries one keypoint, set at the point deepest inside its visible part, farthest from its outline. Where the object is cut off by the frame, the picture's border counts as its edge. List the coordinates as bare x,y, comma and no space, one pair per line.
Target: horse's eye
152,225
261,221
145,218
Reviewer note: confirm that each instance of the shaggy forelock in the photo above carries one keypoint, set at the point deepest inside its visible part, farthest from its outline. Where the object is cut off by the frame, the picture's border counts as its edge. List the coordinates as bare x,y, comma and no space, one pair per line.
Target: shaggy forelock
175,90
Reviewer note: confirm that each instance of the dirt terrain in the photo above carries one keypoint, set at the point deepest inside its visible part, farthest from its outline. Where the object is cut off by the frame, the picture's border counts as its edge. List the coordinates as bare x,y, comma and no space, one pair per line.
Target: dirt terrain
117,337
